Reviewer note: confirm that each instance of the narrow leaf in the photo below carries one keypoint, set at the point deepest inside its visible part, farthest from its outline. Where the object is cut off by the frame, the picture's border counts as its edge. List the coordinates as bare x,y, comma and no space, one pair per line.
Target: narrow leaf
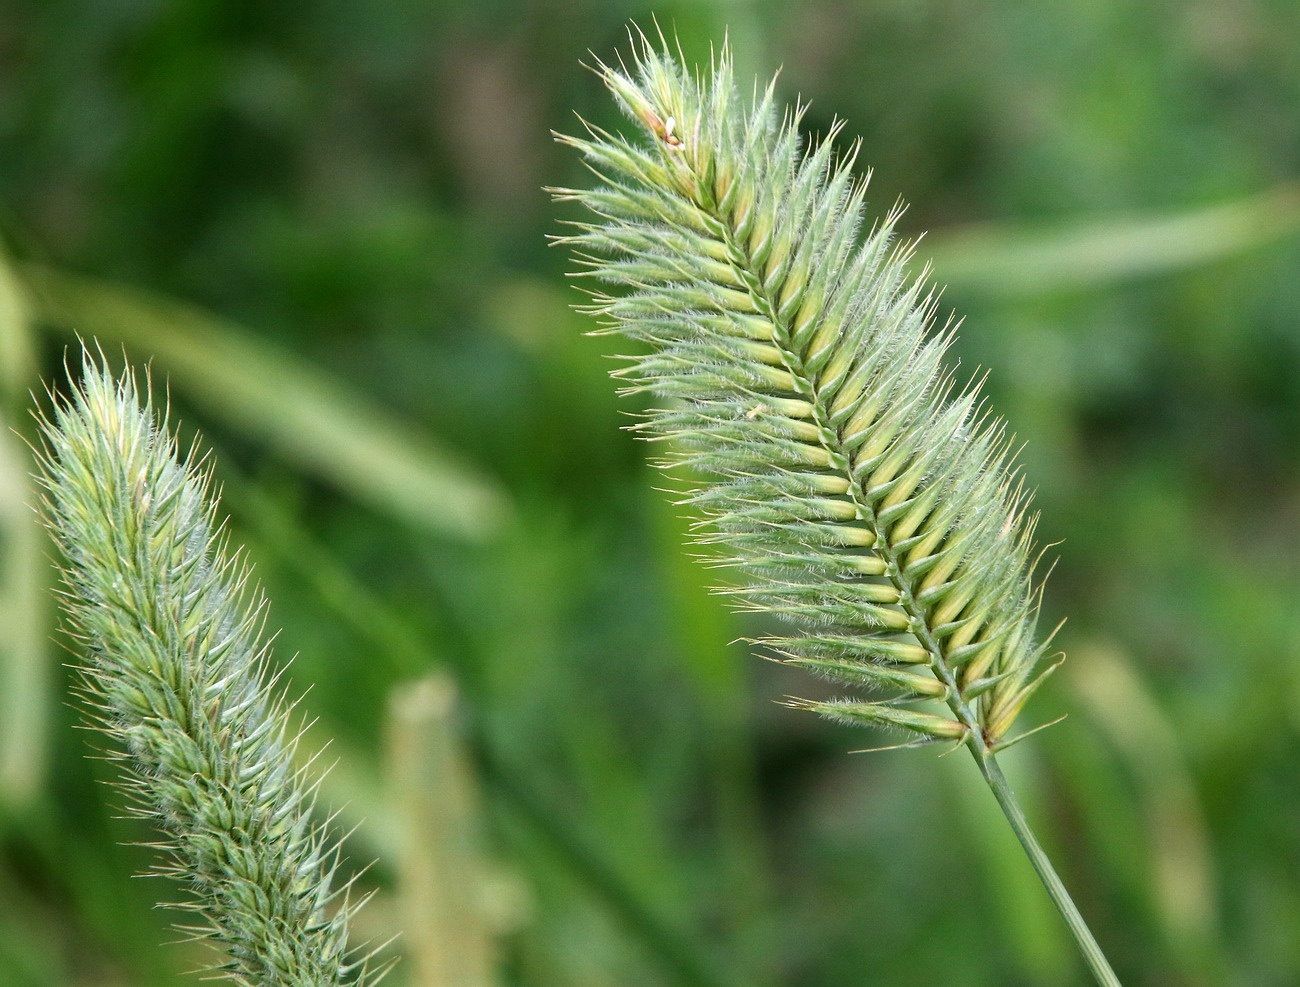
1013,261
311,419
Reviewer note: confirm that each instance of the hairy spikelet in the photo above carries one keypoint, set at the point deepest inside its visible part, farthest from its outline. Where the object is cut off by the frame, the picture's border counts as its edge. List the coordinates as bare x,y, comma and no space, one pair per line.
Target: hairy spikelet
860,493
178,677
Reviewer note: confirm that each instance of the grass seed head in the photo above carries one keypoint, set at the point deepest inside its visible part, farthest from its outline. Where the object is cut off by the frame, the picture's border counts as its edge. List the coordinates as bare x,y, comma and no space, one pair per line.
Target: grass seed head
862,497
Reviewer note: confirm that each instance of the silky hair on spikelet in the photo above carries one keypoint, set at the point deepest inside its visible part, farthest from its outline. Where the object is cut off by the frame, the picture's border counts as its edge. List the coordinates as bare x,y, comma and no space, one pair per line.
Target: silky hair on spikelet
178,677
857,491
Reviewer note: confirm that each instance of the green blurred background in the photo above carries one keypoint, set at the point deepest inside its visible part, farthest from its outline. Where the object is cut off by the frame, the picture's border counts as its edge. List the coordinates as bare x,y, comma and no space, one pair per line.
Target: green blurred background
323,223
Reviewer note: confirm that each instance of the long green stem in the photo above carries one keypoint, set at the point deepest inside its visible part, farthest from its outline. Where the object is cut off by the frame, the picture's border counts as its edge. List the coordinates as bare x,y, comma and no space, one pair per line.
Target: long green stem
860,495
997,781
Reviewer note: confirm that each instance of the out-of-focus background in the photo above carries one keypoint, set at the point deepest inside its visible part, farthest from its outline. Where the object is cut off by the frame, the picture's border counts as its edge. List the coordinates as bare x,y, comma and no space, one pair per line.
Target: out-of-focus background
322,224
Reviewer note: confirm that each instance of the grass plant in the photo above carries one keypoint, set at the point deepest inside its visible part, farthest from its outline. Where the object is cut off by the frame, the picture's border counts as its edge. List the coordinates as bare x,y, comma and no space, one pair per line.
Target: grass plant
179,678
859,490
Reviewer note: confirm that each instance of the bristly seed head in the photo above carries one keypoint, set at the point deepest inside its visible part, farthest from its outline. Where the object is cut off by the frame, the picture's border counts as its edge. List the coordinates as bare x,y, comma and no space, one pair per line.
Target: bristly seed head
178,677
859,494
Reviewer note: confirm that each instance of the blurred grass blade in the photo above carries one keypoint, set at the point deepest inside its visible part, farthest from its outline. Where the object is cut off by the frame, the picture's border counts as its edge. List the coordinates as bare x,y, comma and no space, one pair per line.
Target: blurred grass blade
451,902
314,421
276,532
1004,260
692,961
716,670
17,347
1183,885
1034,938
25,661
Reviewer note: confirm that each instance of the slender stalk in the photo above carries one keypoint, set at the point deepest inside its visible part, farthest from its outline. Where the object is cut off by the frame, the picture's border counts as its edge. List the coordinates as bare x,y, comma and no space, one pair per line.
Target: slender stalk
856,490
1088,947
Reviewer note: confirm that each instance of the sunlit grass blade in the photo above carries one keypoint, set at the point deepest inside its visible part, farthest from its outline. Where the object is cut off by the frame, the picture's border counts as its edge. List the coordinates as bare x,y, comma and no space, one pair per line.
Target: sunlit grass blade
1008,260
312,420
1031,932
17,339
25,659
449,894
513,782
1181,880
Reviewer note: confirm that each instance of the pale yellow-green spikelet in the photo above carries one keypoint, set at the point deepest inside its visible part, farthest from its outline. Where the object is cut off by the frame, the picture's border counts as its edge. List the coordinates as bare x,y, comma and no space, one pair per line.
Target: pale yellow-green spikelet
857,493
177,673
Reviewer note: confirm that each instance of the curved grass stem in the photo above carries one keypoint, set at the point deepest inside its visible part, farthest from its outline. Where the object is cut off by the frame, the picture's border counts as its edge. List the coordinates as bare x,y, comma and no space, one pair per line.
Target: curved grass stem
1083,937
862,495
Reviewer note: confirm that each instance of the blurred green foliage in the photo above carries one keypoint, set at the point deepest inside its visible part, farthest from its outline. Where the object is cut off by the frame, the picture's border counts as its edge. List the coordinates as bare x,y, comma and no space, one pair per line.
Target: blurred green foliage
422,452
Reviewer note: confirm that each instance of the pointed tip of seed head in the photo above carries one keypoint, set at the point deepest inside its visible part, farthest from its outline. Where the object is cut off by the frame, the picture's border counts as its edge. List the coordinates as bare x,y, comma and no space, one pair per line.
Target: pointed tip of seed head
978,514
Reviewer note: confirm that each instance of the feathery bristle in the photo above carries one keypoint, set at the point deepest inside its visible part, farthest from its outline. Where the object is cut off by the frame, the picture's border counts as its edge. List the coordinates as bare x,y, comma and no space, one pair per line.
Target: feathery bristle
861,494
178,677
